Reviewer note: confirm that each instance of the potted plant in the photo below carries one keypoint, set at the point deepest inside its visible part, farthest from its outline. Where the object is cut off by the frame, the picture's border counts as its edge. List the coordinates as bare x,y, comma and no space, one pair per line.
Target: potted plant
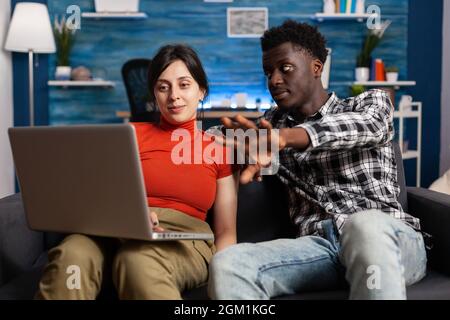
364,58
356,89
391,73
64,38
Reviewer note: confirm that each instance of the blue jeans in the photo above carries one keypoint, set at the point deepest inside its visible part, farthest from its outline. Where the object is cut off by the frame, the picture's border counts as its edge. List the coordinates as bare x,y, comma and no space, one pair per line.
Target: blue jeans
376,255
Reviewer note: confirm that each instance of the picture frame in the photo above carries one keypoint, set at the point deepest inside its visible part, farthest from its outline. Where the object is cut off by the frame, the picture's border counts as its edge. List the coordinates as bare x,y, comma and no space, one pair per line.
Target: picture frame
243,22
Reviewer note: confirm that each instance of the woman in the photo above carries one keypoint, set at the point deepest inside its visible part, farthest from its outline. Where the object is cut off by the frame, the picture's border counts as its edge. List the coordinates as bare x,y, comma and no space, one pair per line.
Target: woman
182,181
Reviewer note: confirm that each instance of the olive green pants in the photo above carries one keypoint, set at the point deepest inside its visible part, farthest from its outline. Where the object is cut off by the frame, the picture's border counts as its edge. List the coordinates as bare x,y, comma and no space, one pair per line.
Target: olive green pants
78,267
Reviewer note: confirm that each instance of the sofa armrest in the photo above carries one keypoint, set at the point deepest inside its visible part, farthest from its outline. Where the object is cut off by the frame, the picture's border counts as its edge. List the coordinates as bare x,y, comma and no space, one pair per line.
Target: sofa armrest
20,247
433,210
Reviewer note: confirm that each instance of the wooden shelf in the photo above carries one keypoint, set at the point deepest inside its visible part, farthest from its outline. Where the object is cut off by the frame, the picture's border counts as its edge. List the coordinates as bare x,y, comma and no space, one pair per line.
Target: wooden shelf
90,83
385,83
342,16
114,15
411,154
406,114
231,113
208,114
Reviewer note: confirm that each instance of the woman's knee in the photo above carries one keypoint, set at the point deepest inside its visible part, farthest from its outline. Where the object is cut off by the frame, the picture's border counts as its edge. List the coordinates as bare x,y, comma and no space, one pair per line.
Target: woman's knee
135,260
74,270
78,250
143,273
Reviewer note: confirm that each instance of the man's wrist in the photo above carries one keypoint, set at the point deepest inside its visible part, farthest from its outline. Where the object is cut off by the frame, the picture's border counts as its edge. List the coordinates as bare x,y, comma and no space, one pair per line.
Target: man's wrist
297,138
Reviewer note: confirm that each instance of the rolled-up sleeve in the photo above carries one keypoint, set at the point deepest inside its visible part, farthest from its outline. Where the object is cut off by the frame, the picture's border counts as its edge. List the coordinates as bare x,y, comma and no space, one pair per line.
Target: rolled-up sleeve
370,123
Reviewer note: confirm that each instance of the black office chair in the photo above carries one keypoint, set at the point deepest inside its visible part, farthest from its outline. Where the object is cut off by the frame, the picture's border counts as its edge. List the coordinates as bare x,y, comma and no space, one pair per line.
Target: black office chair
134,75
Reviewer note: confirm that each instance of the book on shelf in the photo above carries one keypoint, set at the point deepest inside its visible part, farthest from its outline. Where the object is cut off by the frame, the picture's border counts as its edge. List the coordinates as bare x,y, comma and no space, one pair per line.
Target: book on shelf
345,6
353,6
380,75
377,72
348,8
372,70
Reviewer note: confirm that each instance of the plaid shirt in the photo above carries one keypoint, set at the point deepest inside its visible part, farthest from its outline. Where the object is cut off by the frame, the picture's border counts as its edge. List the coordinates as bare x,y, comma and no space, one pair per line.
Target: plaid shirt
349,165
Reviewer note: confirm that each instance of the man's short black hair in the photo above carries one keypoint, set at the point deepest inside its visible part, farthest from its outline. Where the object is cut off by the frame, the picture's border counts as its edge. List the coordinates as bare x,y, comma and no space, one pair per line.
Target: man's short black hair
303,35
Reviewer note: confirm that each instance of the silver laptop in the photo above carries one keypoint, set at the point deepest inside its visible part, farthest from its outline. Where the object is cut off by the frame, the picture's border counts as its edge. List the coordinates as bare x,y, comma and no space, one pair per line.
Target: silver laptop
85,179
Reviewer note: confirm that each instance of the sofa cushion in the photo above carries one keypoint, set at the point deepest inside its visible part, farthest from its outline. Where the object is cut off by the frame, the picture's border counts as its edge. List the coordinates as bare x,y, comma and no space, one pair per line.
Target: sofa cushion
401,177
22,287
20,247
262,211
442,184
435,286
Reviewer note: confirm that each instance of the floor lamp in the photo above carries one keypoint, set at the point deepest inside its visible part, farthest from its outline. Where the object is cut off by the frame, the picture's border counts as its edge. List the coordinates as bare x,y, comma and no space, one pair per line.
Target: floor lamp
30,31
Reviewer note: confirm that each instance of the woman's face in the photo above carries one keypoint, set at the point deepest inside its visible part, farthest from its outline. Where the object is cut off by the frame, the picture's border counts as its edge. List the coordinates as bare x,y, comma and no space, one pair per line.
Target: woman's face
177,93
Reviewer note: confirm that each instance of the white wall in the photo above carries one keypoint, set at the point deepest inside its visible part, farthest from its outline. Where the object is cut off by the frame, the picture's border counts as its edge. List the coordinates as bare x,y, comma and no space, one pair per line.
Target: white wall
445,97
6,105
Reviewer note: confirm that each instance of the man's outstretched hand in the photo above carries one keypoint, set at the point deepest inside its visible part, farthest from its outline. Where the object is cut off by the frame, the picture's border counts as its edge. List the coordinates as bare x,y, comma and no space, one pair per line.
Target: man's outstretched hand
264,136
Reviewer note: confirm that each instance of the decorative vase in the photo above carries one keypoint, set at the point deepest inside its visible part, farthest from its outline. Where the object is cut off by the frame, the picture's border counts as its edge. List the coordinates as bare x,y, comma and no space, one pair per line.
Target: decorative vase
329,6
81,73
116,5
405,103
63,72
362,74
360,7
391,76
241,99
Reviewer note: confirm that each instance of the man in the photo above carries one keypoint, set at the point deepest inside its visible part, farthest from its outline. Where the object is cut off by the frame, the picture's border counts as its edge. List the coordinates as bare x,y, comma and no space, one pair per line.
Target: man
337,162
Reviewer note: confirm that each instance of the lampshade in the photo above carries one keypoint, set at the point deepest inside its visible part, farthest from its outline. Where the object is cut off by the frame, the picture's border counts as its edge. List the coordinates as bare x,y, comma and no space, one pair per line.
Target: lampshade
30,29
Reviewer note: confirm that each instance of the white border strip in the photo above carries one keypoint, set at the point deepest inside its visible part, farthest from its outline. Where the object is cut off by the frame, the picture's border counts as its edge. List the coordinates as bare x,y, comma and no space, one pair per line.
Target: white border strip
445,92
6,106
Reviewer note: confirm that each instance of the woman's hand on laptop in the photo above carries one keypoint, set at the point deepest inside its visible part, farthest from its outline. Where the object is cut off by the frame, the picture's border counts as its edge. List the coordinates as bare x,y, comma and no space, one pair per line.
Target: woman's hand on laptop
154,221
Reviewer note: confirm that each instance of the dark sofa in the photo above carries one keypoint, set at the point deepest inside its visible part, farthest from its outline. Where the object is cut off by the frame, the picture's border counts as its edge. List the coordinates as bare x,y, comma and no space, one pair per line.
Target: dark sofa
262,215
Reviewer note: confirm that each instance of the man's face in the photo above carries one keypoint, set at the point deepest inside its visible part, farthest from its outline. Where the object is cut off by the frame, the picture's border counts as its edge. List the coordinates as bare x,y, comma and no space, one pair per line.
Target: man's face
290,75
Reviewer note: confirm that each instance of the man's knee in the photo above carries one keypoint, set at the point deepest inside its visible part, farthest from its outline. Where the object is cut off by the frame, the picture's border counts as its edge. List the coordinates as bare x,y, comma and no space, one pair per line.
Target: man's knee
229,261
366,226
365,237
228,269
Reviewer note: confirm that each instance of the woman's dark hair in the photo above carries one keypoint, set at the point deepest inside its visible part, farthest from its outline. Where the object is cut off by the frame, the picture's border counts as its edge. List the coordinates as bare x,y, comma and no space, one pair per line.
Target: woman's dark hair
170,53
303,35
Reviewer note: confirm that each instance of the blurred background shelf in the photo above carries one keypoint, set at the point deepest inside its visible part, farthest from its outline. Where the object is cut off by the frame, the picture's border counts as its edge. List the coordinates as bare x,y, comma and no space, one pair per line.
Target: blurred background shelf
90,83
385,83
414,111
114,15
207,114
410,154
360,17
